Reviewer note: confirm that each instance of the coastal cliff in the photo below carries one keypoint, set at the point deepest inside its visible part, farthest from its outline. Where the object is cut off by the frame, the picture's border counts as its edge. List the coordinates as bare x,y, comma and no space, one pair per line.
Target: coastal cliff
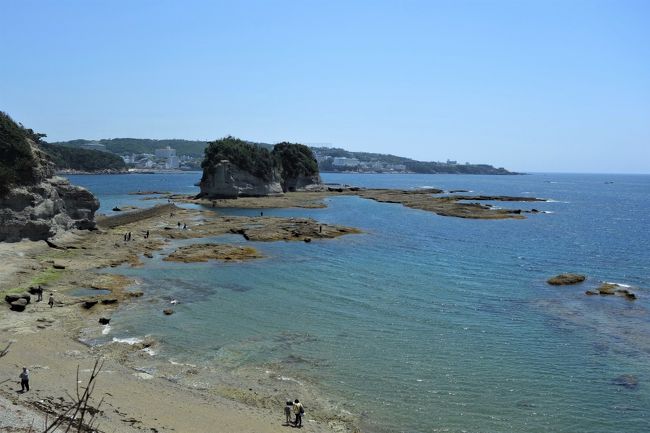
35,204
234,168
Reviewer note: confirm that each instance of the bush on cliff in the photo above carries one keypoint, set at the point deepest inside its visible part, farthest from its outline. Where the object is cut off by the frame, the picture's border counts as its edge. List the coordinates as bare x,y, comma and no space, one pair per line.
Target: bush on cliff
17,162
248,157
295,160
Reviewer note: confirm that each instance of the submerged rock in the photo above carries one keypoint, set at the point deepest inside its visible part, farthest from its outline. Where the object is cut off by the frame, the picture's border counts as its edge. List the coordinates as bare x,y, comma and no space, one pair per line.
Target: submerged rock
607,289
168,311
628,381
566,279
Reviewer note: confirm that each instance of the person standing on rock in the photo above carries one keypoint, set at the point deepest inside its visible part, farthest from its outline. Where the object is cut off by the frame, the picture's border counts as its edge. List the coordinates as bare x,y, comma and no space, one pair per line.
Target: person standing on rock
24,380
299,411
50,301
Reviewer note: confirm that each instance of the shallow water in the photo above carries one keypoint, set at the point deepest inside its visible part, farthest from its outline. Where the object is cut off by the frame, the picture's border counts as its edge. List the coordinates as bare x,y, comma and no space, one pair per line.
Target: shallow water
426,323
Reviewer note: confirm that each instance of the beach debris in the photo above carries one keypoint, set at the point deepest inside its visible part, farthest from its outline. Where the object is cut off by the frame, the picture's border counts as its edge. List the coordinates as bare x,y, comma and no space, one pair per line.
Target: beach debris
627,381
566,279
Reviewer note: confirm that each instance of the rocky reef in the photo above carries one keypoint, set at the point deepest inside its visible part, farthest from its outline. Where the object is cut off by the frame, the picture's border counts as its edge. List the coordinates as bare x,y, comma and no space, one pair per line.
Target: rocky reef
35,204
566,279
234,168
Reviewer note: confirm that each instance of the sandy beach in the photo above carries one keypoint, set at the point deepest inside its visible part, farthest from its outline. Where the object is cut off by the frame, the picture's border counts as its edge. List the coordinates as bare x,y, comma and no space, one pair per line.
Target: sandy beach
46,340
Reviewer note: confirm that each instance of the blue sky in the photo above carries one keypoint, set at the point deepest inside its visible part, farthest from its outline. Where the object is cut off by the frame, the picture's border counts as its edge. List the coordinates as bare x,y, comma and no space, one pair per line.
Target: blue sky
531,86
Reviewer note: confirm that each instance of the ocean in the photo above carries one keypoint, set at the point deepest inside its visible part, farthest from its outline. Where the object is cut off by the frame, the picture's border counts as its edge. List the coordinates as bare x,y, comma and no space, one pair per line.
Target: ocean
422,323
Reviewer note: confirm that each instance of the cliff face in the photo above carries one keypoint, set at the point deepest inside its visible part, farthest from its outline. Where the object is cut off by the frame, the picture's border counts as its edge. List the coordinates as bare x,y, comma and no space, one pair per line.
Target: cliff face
42,210
34,204
300,182
226,180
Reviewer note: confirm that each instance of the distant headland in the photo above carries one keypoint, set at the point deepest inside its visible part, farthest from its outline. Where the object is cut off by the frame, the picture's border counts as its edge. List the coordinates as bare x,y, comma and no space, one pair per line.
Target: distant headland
178,154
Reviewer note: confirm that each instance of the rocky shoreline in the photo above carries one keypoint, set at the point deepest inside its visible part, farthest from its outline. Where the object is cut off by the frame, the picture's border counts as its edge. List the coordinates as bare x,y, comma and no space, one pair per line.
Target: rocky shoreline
46,340
431,200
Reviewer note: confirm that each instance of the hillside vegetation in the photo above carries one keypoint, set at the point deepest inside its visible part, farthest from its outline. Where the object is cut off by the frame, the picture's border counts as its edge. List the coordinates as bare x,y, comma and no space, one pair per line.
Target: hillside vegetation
248,157
17,161
67,158
429,167
294,160
124,146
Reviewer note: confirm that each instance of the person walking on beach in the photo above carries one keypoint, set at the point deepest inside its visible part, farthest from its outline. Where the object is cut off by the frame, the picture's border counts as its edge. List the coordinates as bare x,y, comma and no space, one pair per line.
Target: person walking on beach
39,294
299,411
24,380
287,412
50,301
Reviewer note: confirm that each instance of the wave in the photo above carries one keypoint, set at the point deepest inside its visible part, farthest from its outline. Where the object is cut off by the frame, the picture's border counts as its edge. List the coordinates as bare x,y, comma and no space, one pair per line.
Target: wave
130,341
106,329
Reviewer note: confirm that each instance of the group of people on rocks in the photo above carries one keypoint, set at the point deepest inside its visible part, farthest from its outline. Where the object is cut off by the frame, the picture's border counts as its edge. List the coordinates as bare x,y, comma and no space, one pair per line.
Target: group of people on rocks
299,411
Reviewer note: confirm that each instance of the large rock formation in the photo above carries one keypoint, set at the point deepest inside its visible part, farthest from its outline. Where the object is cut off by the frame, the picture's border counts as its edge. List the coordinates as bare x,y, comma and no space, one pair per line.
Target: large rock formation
42,210
34,204
226,180
234,168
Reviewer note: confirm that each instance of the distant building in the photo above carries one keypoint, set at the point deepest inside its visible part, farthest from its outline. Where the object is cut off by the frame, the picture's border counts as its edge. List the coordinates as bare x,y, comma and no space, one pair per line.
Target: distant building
452,162
167,152
172,162
345,162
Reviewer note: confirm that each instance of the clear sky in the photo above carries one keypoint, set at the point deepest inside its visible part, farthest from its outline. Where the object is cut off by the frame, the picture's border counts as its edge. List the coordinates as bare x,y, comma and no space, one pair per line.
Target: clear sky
527,85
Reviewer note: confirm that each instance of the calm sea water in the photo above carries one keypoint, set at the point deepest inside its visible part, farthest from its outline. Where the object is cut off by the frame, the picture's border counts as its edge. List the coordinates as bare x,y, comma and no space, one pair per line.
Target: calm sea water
426,323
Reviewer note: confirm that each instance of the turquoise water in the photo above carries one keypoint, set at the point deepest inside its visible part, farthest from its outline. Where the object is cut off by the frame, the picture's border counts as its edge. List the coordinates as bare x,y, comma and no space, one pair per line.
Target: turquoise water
426,323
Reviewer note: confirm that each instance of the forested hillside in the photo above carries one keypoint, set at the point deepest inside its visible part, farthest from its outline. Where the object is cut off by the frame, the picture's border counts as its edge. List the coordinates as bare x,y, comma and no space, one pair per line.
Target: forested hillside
67,158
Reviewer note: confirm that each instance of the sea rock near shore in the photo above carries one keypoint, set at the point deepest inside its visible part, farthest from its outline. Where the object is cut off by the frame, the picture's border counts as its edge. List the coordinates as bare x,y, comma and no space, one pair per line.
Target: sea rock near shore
226,180
566,279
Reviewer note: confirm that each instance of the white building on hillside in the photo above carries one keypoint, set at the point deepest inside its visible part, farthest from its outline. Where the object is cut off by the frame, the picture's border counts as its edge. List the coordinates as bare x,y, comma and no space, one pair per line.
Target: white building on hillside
167,152
345,162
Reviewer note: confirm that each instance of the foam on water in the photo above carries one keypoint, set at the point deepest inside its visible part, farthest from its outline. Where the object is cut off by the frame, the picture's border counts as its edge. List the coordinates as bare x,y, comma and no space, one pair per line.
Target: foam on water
130,341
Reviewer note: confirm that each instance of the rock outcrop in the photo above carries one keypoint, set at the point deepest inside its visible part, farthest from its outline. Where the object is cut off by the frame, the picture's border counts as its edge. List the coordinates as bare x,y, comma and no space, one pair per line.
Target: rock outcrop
40,211
234,168
566,279
35,204
226,180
